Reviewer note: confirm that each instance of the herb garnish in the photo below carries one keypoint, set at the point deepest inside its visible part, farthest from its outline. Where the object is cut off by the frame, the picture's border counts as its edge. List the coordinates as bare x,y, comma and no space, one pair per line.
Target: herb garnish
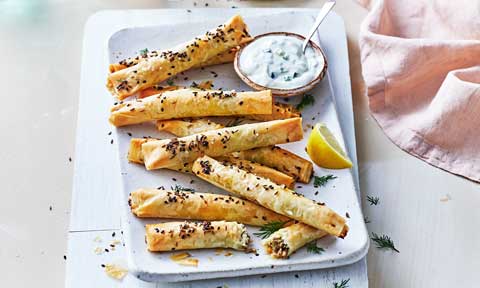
307,99
366,220
313,248
170,82
234,122
342,284
143,52
179,188
383,242
373,200
321,181
269,228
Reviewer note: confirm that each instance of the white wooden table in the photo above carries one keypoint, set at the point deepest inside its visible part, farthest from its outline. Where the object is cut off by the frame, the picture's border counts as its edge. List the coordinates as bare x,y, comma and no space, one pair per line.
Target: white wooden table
41,48
95,213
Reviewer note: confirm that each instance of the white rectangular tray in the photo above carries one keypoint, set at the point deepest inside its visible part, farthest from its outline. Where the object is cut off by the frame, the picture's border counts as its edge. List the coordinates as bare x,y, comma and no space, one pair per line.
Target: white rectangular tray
339,194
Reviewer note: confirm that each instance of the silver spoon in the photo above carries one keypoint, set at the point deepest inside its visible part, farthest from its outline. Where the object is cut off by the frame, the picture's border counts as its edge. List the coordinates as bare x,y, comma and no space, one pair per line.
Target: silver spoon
327,7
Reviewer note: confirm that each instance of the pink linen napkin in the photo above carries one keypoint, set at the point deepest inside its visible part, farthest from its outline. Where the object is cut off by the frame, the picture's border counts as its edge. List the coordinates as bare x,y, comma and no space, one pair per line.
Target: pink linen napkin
421,65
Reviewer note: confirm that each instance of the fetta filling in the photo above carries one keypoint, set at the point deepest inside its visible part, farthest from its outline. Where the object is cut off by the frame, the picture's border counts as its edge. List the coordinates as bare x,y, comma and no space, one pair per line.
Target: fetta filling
279,247
244,239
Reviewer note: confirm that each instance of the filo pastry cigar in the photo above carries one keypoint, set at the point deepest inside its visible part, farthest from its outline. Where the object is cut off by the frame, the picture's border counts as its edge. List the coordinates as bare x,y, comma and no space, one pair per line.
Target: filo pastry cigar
275,157
158,203
279,111
128,81
174,126
270,195
186,103
171,236
159,89
179,127
181,151
283,242
186,127
135,155
280,159
260,170
221,58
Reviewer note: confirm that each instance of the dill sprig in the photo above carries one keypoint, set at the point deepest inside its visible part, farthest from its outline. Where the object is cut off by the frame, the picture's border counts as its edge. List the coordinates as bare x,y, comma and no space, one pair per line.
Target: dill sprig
170,82
321,181
373,200
179,188
313,248
383,242
234,122
307,99
342,284
143,52
269,228
366,220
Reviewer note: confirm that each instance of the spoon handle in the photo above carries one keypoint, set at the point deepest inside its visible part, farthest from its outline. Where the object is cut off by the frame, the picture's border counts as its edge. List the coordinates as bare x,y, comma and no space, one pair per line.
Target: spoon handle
321,15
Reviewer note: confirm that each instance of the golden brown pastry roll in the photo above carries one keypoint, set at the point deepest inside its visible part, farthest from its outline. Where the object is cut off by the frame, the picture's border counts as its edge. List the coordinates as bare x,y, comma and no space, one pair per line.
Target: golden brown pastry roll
179,151
151,71
170,236
224,57
186,103
135,151
270,195
260,170
135,155
274,157
281,160
284,242
199,206
185,127
221,58
279,111
157,89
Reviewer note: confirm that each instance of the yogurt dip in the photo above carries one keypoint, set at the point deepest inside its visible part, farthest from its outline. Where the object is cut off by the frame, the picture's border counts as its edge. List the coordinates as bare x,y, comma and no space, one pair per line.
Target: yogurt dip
277,61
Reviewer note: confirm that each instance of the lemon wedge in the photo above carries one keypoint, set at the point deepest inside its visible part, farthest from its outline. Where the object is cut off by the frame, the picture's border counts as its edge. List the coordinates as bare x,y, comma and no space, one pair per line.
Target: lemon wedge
324,150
